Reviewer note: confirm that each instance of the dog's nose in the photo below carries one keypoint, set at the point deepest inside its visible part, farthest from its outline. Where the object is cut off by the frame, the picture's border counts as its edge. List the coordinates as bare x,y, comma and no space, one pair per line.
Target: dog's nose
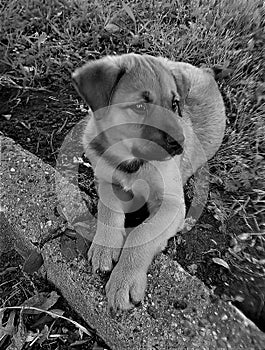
175,146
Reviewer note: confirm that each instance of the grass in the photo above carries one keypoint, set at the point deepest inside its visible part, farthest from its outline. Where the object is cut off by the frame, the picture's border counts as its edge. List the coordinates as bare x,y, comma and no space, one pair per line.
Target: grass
41,42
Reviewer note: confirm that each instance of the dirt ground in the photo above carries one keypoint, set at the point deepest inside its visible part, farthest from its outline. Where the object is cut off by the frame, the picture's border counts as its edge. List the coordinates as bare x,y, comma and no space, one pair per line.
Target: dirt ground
39,121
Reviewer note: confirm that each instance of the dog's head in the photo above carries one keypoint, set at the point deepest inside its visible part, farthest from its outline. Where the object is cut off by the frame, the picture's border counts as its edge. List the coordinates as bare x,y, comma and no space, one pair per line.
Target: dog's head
137,102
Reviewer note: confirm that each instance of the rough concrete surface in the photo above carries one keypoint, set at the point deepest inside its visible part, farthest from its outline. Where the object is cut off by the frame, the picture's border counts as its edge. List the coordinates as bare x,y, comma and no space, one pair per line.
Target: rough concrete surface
178,312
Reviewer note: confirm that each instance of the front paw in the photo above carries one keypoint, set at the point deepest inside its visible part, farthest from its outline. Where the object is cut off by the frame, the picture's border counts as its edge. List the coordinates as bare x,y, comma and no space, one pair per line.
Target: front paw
125,288
102,257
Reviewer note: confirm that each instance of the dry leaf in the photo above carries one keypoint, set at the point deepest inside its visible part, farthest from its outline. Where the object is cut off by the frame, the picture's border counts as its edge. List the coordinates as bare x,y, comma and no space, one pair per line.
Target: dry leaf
7,116
79,342
84,229
41,301
82,245
9,327
19,336
43,335
112,28
49,301
243,236
68,248
57,312
239,298
221,262
33,262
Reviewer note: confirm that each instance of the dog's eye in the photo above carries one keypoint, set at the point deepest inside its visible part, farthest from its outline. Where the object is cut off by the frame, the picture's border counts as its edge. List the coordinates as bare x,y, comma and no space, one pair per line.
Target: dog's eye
139,108
176,106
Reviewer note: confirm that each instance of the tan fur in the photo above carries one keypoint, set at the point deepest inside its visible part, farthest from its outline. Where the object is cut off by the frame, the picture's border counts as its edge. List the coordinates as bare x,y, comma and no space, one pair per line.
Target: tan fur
160,181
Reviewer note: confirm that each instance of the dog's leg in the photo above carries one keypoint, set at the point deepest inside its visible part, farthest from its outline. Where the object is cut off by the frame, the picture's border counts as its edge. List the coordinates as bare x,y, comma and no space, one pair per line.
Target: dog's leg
127,282
110,235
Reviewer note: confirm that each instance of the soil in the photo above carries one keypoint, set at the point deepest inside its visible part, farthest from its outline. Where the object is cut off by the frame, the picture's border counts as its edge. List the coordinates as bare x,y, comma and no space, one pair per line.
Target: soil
39,120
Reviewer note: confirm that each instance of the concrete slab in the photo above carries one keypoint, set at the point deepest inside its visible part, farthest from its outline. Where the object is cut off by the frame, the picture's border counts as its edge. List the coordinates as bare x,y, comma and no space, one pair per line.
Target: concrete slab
178,312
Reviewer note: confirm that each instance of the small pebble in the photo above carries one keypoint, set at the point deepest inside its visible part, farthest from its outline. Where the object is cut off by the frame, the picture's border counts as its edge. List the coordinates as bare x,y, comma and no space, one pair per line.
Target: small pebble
214,334
224,317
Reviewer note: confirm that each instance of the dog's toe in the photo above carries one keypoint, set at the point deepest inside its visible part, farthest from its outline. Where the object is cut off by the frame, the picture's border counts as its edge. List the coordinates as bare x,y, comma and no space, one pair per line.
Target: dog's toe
106,263
121,300
125,289
137,291
102,258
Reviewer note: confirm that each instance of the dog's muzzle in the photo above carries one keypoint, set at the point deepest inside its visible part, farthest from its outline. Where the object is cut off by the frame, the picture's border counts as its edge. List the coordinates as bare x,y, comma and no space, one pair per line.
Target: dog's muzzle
160,150
172,146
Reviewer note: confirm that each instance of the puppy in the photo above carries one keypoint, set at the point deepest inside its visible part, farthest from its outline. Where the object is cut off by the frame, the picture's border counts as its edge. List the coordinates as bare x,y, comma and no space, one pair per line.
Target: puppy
154,123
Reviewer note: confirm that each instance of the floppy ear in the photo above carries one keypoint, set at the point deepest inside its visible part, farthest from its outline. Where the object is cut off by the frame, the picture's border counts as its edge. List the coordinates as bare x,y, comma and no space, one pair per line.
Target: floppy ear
96,81
219,72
